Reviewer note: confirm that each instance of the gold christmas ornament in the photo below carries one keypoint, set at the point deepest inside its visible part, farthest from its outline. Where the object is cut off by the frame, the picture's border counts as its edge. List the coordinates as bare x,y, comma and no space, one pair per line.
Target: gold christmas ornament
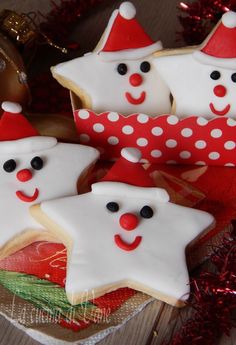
13,78
17,26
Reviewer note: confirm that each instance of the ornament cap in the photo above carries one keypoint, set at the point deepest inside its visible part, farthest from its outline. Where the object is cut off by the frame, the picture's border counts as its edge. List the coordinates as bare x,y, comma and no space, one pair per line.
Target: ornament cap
11,107
127,10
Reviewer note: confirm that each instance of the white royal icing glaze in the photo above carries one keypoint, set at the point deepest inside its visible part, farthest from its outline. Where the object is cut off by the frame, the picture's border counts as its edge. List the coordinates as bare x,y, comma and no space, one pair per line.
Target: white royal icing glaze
63,164
27,145
11,107
229,19
108,88
127,10
96,261
193,89
131,154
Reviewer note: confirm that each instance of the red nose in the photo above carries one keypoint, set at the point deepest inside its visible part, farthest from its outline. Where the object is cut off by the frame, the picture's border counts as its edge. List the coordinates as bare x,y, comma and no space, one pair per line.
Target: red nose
128,221
24,175
220,90
135,79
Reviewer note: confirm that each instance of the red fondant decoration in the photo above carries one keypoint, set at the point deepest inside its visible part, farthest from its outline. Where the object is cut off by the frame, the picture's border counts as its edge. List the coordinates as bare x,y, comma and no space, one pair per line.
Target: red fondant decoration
222,43
127,246
128,172
191,138
126,34
129,221
221,112
24,175
15,126
26,198
135,79
134,100
220,90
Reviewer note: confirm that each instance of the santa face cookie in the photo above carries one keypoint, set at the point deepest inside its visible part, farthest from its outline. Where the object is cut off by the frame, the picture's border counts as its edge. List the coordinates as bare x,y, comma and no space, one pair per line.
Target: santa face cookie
203,82
122,235
33,169
119,75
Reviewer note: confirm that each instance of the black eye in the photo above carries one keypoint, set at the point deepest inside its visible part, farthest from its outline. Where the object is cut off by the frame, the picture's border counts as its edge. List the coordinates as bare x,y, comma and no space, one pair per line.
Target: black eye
233,77
215,75
112,206
146,212
9,165
145,66
37,163
122,68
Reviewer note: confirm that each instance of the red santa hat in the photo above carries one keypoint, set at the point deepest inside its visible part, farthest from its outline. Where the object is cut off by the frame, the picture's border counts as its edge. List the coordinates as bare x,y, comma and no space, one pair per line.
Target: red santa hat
124,38
128,169
17,135
219,49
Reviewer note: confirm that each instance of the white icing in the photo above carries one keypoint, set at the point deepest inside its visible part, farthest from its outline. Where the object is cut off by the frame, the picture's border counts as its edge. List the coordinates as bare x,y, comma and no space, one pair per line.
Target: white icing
131,154
229,19
11,107
192,88
127,10
229,63
63,164
129,54
27,145
107,89
125,190
96,261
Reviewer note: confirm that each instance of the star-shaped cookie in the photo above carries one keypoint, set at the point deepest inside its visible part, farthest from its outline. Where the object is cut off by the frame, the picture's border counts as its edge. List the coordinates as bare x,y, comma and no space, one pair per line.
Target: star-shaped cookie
121,235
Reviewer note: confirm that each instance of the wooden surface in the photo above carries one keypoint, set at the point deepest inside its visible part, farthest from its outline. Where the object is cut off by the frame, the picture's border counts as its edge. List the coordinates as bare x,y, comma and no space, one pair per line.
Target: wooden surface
146,328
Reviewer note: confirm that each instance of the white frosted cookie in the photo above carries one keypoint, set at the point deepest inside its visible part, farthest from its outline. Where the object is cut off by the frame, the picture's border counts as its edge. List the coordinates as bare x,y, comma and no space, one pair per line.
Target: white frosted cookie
119,74
123,235
203,81
33,169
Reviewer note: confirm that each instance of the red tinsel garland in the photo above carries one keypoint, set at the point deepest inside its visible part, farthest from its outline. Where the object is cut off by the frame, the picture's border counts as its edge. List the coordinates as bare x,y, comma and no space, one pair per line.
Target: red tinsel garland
214,298
199,17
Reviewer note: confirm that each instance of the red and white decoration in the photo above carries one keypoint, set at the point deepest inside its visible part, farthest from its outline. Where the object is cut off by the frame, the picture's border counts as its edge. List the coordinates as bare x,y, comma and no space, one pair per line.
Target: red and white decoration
140,240
119,74
203,82
33,168
163,139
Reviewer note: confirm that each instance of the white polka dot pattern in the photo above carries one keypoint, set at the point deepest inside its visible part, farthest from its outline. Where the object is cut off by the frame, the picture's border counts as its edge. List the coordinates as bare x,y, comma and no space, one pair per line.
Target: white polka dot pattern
113,117
157,131
143,118
98,127
164,139
186,132
83,114
171,143
142,142
113,140
127,130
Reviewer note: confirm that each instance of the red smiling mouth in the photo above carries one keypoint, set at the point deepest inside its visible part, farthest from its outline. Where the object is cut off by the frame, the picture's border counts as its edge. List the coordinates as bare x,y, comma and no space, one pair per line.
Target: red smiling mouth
26,198
133,100
219,112
127,246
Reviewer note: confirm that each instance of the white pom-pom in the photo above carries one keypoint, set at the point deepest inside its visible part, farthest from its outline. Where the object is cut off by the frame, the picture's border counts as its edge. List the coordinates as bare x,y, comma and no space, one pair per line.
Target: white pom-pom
229,19
131,154
127,10
11,107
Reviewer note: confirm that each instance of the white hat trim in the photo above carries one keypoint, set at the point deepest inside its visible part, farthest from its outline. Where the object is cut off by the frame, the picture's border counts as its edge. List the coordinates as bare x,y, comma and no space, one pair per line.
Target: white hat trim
27,145
124,189
228,63
131,54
